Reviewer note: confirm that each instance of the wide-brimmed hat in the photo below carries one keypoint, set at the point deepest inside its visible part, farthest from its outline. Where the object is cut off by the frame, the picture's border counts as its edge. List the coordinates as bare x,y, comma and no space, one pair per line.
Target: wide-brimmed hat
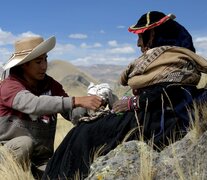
149,21
28,49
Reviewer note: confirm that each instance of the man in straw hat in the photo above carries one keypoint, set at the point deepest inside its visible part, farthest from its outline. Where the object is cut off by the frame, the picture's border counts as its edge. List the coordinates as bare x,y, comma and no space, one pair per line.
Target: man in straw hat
30,101
163,82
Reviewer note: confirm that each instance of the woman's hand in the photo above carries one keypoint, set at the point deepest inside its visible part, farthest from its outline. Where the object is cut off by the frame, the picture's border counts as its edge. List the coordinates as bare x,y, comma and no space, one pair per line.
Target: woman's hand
120,105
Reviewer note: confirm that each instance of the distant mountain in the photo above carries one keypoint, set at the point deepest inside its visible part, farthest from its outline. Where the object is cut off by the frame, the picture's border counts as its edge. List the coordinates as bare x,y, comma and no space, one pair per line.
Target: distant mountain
74,80
104,72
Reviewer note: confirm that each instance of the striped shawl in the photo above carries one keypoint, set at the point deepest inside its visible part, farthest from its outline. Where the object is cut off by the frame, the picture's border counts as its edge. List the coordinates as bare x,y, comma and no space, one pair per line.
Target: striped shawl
164,64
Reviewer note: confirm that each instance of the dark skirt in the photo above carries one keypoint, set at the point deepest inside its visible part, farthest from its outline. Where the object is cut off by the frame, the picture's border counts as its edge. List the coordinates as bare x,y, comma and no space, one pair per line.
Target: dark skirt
160,123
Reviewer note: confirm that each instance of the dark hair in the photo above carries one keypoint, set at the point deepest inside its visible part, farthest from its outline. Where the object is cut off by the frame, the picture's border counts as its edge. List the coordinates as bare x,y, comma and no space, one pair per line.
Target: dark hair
169,33
17,70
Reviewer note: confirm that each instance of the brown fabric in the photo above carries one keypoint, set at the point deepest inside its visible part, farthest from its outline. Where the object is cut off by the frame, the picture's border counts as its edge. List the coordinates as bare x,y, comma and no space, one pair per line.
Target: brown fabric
164,64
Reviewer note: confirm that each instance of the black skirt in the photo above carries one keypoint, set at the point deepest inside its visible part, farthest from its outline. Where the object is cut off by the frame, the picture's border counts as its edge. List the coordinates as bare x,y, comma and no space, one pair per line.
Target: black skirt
165,120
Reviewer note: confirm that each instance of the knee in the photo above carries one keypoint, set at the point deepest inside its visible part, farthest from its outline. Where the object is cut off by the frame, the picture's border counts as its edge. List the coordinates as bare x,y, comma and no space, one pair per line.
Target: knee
20,147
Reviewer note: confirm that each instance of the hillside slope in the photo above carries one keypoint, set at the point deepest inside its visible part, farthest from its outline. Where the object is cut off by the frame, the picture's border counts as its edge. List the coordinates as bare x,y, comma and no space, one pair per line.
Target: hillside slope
74,81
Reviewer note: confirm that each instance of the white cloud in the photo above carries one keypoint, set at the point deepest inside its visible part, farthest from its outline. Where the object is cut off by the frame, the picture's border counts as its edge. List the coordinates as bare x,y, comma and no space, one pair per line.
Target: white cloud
201,45
122,50
102,32
122,60
78,36
97,45
63,48
27,34
102,59
87,46
84,45
120,27
6,37
83,61
87,52
113,43
201,42
7,40
4,54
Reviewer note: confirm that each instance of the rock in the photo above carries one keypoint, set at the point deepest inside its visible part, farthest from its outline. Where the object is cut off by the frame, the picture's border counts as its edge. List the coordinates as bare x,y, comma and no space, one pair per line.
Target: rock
184,159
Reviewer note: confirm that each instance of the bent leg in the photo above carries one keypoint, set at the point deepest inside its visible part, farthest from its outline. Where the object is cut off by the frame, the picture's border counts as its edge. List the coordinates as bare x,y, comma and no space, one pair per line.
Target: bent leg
21,147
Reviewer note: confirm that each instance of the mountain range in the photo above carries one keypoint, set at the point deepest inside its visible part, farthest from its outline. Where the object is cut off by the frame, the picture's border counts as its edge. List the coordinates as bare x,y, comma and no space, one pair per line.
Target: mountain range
105,73
75,79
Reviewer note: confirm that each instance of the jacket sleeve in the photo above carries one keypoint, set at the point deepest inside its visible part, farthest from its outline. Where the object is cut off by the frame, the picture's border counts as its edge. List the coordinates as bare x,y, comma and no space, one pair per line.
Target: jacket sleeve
75,114
28,103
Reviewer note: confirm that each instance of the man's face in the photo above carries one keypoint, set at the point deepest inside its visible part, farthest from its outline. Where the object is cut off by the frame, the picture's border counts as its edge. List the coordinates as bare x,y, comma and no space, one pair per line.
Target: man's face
35,70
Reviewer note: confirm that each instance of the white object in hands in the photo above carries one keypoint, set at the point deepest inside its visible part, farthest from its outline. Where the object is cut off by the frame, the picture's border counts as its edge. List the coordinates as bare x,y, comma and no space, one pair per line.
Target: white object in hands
104,91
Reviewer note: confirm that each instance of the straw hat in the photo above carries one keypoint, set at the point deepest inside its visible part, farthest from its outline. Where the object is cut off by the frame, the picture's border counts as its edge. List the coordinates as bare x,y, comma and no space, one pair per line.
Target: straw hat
28,49
149,21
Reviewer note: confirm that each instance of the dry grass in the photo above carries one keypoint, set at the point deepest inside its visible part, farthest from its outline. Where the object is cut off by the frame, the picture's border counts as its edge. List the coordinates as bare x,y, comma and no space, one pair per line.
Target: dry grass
146,164
63,128
10,169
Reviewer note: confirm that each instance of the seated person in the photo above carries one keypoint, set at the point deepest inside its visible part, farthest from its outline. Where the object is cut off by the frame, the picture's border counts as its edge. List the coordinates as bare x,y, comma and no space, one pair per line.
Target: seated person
30,101
164,84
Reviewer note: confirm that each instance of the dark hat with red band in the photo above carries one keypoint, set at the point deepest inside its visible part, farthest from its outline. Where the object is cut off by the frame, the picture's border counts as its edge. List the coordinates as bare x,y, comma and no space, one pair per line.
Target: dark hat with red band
149,21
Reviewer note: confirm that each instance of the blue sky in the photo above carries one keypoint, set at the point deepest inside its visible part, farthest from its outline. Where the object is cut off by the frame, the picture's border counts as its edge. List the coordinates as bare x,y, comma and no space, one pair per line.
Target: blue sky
92,31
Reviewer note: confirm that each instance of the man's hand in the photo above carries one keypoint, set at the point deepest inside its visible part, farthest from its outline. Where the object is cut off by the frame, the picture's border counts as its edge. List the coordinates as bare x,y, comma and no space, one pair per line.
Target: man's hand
89,102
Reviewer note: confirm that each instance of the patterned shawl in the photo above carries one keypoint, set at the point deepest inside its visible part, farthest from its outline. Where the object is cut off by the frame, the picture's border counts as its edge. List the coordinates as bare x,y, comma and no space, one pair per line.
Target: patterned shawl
164,64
